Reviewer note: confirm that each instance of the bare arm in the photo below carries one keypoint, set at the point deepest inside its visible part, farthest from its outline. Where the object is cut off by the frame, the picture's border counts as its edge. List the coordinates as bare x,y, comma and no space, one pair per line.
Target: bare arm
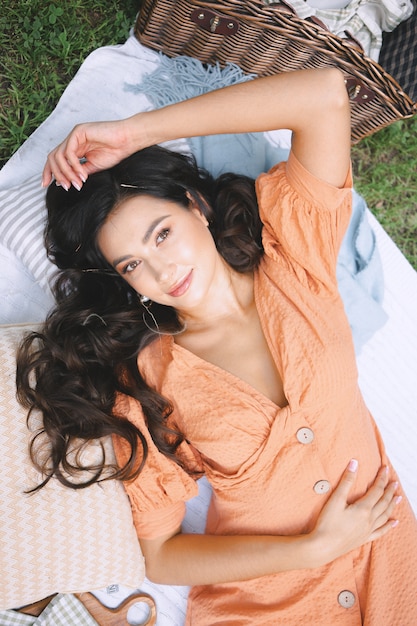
183,559
312,103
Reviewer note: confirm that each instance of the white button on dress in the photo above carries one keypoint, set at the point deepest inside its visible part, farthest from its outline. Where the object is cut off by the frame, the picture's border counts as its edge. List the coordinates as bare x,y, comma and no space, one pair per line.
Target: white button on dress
305,435
322,486
346,599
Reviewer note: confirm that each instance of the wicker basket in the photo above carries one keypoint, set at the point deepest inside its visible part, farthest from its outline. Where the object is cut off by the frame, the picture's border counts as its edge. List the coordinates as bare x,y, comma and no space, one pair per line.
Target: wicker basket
270,39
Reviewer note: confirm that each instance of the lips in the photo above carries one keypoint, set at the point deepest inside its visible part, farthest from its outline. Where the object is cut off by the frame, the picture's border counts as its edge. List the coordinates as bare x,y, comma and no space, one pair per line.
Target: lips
180,288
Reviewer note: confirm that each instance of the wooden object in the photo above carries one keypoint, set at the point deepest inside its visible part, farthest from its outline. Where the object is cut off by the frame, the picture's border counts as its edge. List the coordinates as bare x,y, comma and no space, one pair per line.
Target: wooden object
104,616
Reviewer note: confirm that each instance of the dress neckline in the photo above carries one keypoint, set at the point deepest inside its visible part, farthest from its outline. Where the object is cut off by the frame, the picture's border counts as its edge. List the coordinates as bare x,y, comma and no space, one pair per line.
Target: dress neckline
232,378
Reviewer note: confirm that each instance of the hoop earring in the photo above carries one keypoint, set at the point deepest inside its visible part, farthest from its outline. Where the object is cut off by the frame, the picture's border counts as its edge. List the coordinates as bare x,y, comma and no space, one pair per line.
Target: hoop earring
147,303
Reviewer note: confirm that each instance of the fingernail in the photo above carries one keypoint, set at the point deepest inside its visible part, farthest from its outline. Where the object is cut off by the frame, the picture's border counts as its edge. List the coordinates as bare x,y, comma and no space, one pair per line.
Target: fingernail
353,465
83,178
76,185
395,523
65,186
398,499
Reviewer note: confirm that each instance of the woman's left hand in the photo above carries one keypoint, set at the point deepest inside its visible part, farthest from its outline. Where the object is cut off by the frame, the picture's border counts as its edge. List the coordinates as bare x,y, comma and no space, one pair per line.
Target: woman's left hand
343,526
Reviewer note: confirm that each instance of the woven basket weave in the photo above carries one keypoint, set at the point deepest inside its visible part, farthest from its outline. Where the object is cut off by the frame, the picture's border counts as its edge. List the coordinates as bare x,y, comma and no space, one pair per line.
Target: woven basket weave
268,40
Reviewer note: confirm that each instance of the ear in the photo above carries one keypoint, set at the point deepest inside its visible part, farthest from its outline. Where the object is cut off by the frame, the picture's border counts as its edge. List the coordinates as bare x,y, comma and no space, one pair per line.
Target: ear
195,208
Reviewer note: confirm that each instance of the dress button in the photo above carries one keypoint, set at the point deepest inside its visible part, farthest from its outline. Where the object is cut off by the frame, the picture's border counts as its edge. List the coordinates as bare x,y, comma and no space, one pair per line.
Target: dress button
305,435
346,599
322,486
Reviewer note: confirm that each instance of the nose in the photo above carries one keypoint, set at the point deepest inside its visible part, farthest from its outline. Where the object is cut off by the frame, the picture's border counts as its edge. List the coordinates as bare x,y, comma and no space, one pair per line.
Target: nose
163,271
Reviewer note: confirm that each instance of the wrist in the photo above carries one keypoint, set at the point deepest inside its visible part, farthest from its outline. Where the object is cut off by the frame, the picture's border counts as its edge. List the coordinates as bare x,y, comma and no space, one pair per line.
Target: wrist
317,549
137,134
299,552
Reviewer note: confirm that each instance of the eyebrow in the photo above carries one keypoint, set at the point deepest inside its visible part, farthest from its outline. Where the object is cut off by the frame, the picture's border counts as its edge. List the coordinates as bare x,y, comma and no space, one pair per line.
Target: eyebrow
152,227
145,239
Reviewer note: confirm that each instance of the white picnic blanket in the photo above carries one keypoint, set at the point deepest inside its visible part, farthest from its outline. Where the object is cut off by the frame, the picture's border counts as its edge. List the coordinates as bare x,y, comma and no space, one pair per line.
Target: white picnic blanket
386,363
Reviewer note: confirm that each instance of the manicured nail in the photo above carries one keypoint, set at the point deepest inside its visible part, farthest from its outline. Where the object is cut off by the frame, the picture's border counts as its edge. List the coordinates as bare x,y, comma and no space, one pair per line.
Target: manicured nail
83,178
395,523
398,499
353,465
65,186
76,185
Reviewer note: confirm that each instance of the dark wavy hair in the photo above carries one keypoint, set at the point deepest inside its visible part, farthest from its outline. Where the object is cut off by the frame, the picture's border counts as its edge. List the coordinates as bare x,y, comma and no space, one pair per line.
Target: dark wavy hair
86,352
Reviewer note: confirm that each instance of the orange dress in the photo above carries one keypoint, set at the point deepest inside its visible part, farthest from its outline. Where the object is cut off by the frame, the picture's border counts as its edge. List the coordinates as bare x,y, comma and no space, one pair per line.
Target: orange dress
290,458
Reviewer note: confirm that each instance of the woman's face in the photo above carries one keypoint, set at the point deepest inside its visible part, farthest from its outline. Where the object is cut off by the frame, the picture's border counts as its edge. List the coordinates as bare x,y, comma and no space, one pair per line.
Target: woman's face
163,250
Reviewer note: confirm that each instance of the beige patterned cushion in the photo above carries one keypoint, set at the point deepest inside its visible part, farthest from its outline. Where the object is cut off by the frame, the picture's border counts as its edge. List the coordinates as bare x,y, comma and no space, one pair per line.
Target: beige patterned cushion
58,539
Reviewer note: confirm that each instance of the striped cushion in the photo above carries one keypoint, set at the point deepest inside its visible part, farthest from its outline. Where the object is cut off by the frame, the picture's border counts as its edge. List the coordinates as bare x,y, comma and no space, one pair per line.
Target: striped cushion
22,222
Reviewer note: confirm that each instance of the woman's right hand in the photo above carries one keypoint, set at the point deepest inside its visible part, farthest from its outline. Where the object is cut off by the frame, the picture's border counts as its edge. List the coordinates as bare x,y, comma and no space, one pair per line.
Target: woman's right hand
89,148
342,527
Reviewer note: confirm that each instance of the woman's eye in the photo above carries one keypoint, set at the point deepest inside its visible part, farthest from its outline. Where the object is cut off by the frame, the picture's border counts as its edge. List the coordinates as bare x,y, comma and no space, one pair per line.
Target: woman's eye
162,235
130,267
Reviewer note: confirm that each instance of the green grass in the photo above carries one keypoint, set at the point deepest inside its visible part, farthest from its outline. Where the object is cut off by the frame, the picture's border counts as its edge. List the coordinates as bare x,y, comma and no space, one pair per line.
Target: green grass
43,43
385,172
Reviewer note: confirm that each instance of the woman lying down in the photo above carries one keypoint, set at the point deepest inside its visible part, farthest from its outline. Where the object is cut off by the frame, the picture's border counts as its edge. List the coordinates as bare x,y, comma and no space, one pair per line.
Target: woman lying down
208,341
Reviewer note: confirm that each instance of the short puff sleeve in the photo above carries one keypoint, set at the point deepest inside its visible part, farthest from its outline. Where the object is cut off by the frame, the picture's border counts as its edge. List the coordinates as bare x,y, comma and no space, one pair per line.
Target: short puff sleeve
158,494
304,219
